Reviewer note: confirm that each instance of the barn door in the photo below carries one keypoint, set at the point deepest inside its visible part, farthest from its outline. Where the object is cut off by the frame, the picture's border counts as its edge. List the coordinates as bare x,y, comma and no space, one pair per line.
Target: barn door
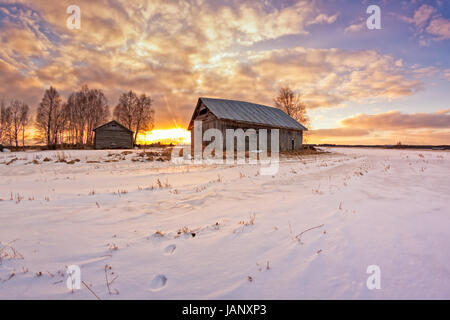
293,144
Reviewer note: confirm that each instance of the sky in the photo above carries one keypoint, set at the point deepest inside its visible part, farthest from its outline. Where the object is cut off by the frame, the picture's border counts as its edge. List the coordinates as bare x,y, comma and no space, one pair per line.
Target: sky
360,85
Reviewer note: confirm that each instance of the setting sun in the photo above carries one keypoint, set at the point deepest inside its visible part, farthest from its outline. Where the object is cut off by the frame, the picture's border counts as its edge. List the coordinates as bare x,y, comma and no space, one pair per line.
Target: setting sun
165,136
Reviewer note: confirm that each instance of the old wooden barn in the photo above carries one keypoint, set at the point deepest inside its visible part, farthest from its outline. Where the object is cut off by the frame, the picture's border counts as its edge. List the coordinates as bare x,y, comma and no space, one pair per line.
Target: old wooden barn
230,114
113,135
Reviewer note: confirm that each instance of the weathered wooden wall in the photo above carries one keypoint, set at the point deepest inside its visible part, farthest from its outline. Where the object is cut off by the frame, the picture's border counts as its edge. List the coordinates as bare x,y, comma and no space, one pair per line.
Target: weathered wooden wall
113,136
288,139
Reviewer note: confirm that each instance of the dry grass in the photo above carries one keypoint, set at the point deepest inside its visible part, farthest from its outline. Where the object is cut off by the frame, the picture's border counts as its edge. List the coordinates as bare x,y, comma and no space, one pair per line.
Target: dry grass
61,156
90,290
119,192
159,233
298,237
162,185
162,156
73,161
110,273
19,198
200,189
8,252
303,152
251,221
317,190
186,231
112,247
149,154
11,161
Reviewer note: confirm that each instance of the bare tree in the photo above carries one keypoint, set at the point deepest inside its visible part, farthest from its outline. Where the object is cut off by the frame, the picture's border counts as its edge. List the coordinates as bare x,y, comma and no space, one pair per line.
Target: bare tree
2,120
135,112
145,115
6,125
293,105
69,114
14,109
84,110
18,117
24,120
98,112
49,116
124,111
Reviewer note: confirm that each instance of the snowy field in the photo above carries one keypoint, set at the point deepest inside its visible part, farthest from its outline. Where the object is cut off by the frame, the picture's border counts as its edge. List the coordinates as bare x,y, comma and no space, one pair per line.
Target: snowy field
167,231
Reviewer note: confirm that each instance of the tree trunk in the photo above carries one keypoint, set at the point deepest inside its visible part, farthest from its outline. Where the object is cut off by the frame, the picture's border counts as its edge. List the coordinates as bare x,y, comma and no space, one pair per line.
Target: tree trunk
23,138
49,129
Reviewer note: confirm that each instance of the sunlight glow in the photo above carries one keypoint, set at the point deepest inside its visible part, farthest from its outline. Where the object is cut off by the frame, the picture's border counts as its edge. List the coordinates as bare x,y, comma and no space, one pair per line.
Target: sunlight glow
165,136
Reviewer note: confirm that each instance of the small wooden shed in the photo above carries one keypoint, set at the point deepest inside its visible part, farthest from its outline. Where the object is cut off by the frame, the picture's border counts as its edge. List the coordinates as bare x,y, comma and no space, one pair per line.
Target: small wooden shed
113,135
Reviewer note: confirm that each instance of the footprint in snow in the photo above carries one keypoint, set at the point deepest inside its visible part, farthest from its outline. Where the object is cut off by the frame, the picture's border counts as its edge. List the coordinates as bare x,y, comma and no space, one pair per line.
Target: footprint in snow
169,249
158,282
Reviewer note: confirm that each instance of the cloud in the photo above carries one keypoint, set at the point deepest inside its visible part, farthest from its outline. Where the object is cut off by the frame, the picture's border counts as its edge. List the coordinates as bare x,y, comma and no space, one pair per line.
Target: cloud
439,27
344,75
13,81
422,15
443,111
447,74
389,128
179,50
324,19
243,22
340,132
22,40
395,120
355,27
426,19
359,136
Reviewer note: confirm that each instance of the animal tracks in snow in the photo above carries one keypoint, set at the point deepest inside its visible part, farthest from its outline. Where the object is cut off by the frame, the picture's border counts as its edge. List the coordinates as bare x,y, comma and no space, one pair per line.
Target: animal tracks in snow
158,282
170,249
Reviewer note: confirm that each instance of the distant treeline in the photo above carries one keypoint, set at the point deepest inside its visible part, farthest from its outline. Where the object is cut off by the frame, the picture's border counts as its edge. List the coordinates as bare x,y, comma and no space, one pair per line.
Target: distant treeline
70,123
385,146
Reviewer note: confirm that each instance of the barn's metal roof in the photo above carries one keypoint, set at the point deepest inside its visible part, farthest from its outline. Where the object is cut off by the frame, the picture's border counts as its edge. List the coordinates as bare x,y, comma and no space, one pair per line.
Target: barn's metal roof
251,113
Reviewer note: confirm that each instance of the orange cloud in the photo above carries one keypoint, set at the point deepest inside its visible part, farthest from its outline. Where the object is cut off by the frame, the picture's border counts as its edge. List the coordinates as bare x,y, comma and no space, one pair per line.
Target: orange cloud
339,132
13,81
439,27
389,128
394,120
355,27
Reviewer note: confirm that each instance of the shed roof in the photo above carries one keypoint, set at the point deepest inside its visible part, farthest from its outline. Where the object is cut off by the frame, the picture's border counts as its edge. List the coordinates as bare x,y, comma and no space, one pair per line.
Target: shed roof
248,112
111,122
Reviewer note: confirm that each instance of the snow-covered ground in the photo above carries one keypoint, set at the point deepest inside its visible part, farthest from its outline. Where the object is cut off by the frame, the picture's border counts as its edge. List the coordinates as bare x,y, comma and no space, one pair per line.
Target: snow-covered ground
219,232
